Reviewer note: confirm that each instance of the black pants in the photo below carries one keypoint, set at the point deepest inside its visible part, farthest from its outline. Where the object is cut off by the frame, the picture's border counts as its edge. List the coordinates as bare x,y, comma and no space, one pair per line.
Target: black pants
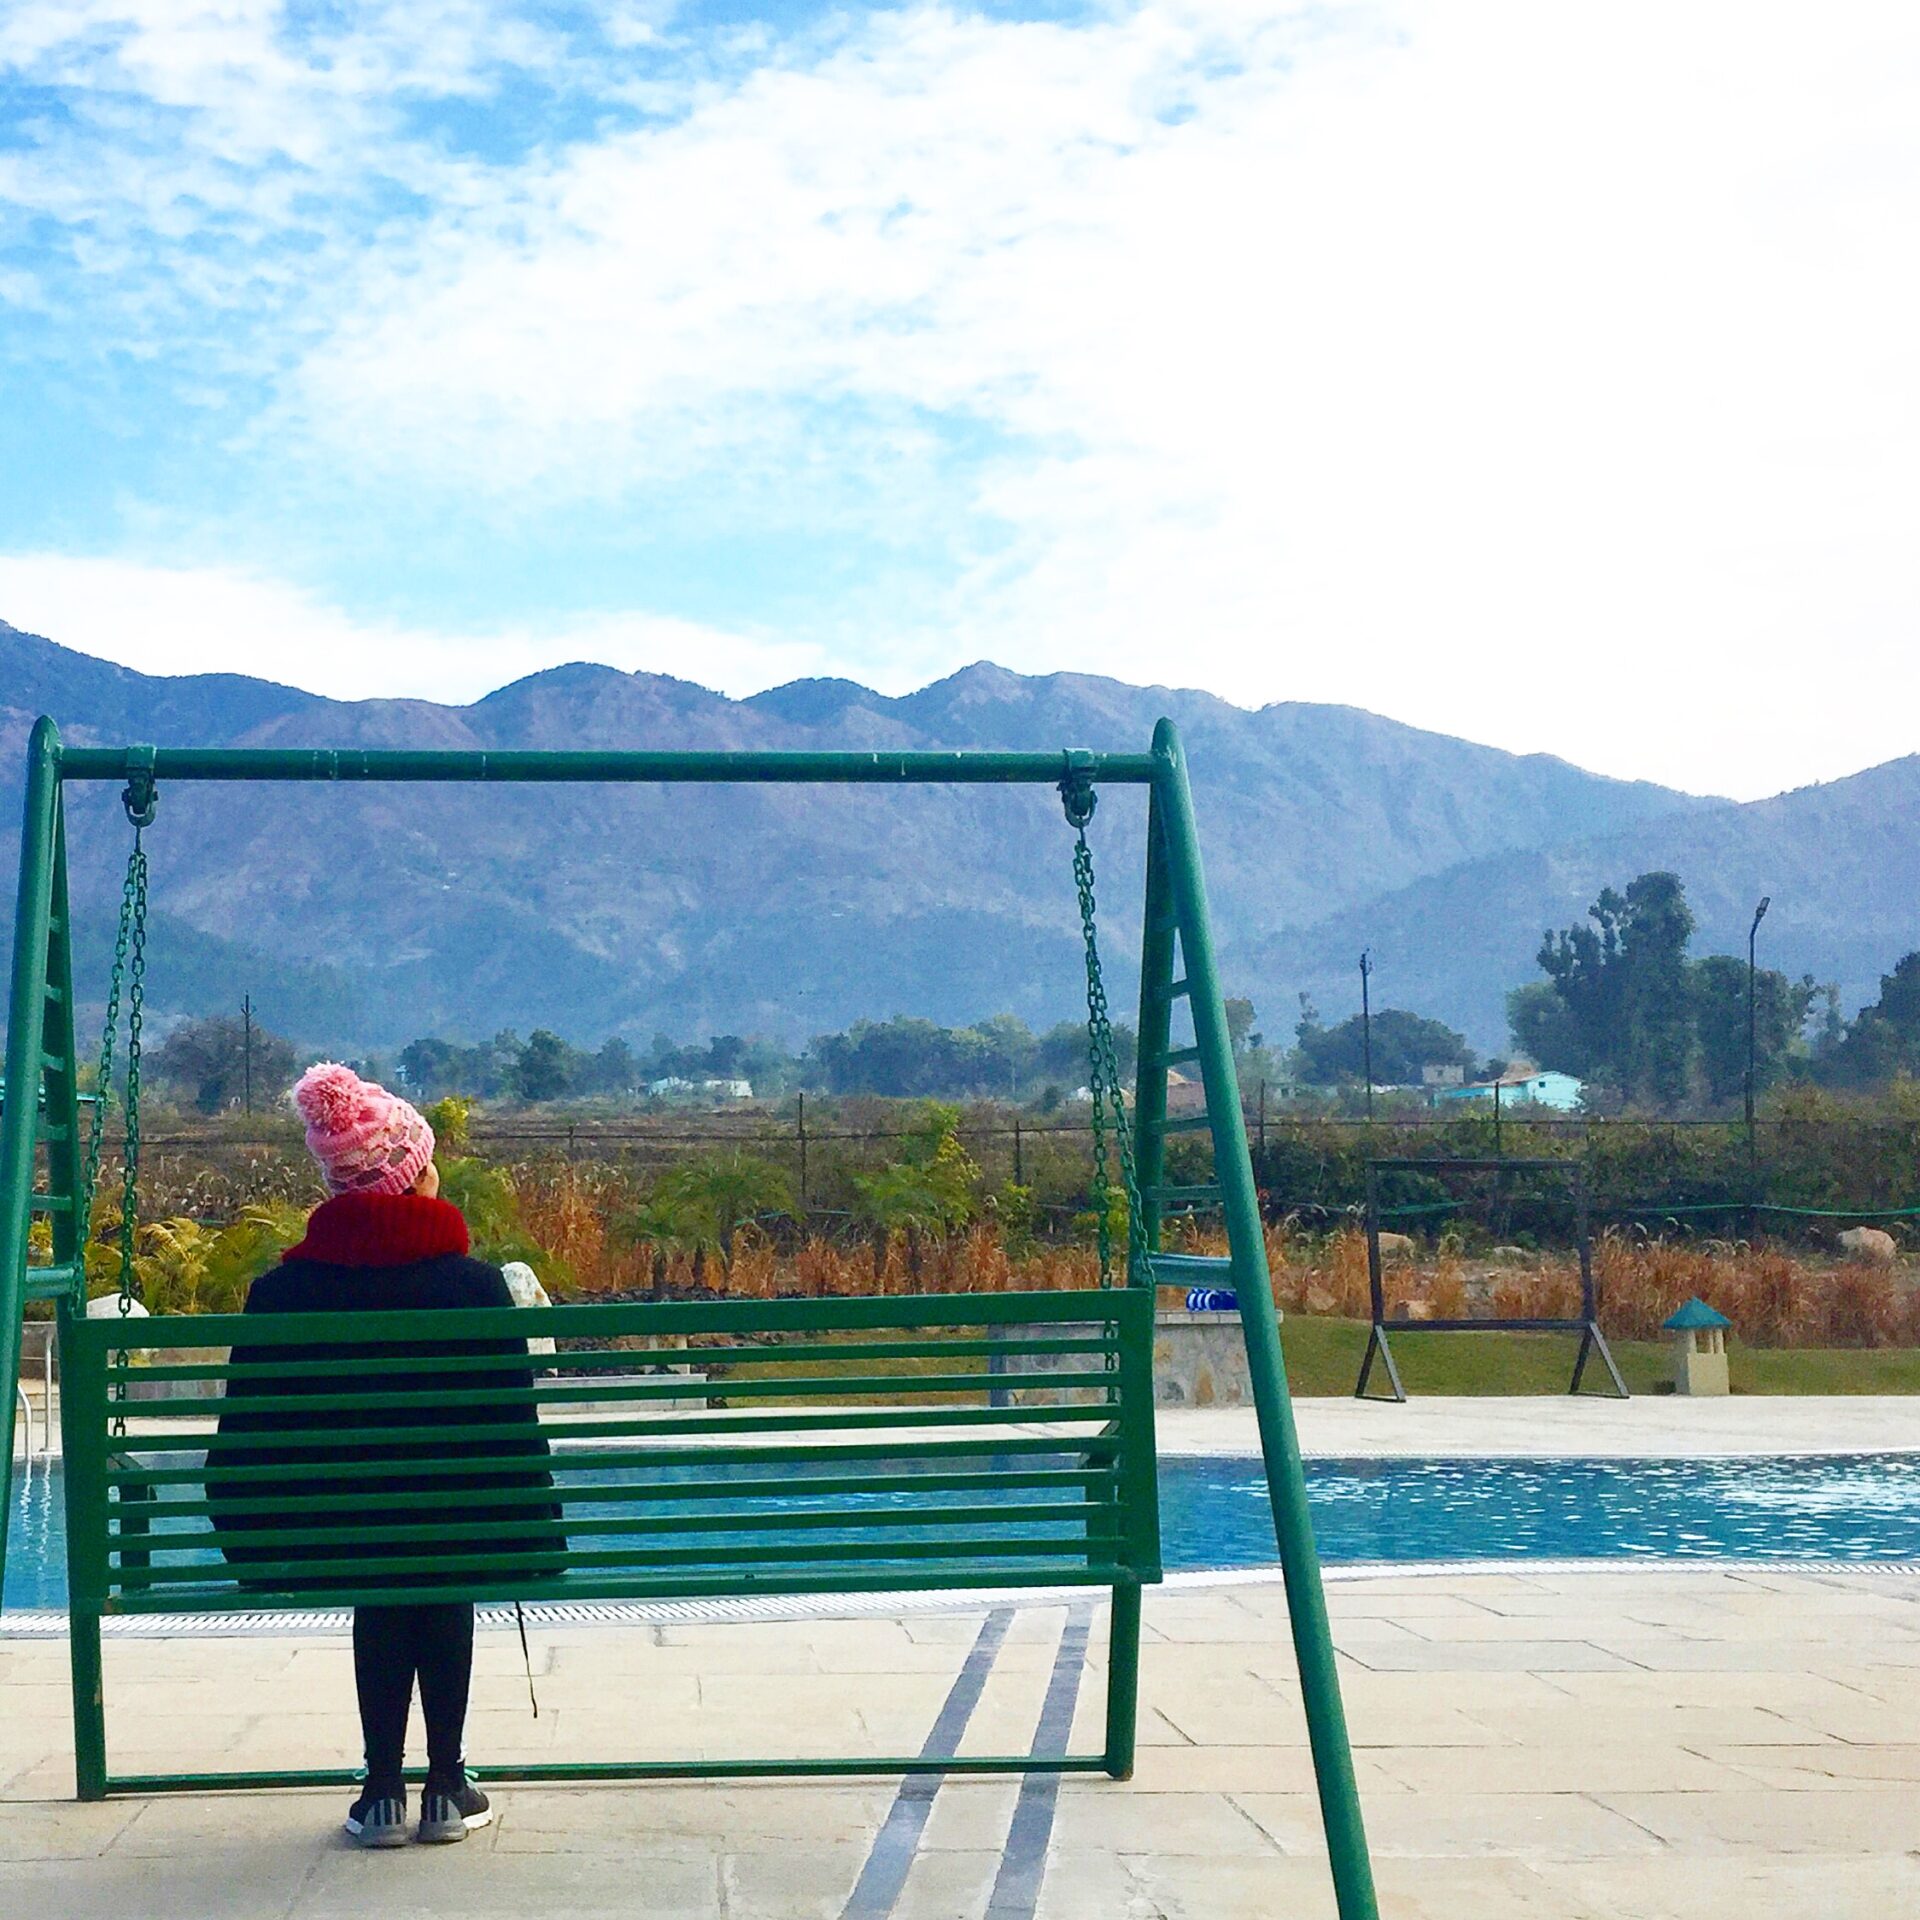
392,1646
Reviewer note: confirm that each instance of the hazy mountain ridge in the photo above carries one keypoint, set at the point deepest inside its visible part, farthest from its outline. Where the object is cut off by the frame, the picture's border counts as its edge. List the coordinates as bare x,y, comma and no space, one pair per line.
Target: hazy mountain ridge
370,913
1839,863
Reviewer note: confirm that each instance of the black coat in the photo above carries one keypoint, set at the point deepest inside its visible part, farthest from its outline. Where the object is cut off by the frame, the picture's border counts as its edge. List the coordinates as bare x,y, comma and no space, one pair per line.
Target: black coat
444,1282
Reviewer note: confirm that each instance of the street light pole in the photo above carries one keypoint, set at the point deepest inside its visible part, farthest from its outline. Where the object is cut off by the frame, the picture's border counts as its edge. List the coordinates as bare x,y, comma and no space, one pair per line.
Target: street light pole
1753,1056
1366,1023
246,1049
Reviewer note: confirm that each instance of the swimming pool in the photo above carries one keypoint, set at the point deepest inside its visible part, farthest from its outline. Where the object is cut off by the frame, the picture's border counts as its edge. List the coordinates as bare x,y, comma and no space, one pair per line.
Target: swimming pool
1214,1512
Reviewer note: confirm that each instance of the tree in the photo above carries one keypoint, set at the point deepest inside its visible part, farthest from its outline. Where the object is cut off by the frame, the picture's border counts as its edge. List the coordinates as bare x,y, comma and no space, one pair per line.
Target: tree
700,1205
1403,1043
1780,1008
1239,1023
545,1068
1544,1028
613,1070
1885,1039
1626,1012
208,1060
430,1067
1658,1004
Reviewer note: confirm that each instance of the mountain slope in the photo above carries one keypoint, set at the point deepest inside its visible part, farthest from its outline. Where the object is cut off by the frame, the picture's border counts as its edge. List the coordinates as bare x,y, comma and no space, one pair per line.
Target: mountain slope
365,915
1839,862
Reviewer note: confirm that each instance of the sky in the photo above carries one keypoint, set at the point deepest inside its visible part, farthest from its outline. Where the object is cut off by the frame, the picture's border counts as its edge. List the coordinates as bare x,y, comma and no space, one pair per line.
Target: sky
1539,373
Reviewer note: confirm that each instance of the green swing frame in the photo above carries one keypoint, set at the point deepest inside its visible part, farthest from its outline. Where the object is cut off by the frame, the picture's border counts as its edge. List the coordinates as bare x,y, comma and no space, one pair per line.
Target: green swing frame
1096,1347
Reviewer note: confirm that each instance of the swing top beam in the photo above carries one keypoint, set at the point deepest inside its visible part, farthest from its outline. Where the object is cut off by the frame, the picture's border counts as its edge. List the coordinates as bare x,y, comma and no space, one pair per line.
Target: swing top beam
845,769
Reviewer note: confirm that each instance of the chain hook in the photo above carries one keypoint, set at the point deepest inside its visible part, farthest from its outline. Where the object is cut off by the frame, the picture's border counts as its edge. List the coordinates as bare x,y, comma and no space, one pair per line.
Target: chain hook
1076,787
140,797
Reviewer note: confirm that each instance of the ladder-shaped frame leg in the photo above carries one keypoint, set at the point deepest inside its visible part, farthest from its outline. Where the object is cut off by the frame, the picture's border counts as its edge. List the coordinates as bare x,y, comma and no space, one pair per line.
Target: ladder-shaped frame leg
20,1124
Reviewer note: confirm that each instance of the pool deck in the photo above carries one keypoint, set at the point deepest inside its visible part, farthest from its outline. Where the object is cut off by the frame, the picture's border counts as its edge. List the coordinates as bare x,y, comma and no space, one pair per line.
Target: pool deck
1569,1427
1692,1745
1664,1743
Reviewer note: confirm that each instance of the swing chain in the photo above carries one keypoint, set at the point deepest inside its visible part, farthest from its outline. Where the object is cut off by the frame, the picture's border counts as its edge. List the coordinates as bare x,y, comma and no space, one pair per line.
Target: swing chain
127,982
1077,796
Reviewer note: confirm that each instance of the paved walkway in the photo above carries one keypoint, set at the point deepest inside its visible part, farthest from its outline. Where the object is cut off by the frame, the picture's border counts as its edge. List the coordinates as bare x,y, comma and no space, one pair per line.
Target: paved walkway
1570,1427
1684,1745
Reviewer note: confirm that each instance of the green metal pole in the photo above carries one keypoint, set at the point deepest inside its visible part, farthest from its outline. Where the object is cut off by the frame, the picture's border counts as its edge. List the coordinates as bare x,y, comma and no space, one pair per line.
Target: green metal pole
1123,1680
26,1016
1279,1440
83,1425
305,763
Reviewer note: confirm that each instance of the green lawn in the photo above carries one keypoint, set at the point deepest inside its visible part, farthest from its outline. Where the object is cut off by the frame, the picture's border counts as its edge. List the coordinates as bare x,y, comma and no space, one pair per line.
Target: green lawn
1323,1357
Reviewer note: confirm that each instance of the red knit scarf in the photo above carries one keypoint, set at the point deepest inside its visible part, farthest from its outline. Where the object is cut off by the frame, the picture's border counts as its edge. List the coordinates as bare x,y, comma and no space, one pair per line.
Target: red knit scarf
380,1230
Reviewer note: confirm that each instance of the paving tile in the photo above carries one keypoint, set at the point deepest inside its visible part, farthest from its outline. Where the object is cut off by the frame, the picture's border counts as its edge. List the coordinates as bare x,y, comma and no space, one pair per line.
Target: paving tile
948,1885
430,1883
1575,1725
1805,1769
1523,1826
70,1832
1491,1656
1248,1769
1123,1819
799,1883
243,1885
1083,1886
1679,1886
1871,1819
1644,1767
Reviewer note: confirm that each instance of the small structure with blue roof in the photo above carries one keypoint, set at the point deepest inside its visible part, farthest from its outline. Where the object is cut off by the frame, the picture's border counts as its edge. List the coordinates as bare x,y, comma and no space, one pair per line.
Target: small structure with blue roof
1699,1348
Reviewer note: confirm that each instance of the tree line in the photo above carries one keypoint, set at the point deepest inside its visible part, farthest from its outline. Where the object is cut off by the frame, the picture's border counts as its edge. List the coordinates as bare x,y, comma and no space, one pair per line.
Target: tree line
1622,1004
1626,1007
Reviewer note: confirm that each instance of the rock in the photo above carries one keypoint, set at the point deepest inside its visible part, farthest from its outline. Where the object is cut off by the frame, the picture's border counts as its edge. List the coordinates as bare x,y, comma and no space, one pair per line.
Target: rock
524,1284
1870,1243
1396,1246
1509,1256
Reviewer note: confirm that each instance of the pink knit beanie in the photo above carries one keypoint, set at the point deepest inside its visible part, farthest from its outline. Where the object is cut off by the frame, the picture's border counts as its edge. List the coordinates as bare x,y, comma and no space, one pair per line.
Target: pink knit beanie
366,1139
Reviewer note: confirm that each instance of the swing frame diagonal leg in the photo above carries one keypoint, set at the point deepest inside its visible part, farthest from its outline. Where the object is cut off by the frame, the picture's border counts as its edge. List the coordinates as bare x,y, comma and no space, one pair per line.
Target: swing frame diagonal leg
1377,1300
1171,819
1177,912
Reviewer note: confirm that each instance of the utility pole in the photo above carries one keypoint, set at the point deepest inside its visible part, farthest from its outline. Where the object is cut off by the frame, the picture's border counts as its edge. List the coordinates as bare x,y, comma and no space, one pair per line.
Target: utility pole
246,1050
802,1107
1366,1023
1753,1150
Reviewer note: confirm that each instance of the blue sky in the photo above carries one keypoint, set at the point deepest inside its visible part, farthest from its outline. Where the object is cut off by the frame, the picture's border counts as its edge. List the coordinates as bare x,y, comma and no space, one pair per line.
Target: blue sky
1538,374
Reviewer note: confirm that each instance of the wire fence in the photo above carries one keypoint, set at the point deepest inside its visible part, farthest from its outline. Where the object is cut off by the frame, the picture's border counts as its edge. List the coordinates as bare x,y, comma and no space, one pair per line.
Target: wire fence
1786,1176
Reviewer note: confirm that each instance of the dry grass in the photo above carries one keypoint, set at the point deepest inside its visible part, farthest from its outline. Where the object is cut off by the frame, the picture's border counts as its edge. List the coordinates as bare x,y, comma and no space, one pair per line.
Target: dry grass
1775,1298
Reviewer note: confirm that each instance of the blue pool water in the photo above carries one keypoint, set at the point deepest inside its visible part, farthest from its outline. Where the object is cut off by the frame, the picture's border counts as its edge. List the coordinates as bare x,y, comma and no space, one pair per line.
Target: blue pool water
1214,1512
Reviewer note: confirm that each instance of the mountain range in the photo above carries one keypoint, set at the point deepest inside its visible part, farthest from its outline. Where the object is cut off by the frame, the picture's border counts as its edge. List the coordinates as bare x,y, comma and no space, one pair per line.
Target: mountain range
362,916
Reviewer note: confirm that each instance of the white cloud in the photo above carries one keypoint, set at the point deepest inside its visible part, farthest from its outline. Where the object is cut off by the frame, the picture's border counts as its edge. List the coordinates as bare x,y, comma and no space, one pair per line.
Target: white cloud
1541,374
1537,374
167,620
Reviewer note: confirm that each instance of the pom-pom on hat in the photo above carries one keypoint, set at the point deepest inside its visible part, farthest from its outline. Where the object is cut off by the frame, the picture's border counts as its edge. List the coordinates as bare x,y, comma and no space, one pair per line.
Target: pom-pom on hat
366,1139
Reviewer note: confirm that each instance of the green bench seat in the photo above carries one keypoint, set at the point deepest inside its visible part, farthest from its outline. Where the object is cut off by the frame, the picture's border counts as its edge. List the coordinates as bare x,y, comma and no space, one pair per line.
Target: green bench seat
1026,1458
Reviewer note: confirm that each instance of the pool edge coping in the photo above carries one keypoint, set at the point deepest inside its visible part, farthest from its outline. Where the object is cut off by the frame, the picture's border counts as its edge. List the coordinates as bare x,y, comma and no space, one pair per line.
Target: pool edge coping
50,1623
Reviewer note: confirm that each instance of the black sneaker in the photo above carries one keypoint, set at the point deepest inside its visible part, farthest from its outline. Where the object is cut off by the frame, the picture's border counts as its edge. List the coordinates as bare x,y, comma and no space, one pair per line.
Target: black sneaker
451,1807
379,1818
